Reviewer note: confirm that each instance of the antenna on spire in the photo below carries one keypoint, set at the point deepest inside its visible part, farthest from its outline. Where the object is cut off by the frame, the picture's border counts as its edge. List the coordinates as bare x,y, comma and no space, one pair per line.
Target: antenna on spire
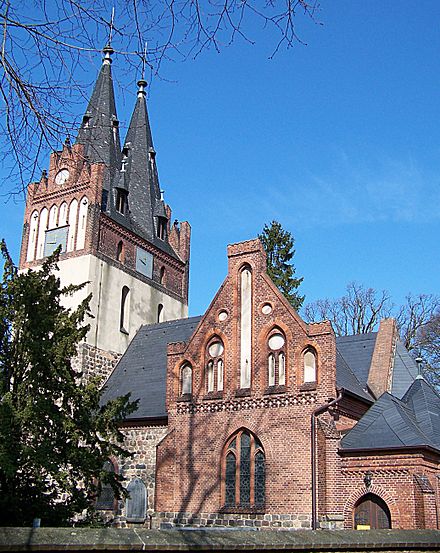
144,61
112,19
143,83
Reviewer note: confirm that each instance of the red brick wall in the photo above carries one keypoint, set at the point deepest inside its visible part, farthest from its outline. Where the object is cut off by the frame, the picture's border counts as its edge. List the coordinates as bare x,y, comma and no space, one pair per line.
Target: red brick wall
280,418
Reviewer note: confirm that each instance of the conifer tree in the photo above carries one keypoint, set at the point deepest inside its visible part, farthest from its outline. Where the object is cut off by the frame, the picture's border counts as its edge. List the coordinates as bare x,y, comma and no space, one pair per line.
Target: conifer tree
54,435
278,244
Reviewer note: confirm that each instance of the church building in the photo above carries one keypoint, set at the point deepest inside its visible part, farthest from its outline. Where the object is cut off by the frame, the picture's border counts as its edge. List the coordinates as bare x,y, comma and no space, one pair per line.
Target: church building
247,416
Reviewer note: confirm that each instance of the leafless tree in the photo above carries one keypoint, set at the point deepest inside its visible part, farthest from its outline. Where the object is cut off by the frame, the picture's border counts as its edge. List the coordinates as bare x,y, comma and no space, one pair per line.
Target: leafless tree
428,344
360,310
45,47
357,312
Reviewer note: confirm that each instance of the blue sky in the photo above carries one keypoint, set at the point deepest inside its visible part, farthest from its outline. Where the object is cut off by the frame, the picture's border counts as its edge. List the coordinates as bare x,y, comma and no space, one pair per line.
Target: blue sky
339,140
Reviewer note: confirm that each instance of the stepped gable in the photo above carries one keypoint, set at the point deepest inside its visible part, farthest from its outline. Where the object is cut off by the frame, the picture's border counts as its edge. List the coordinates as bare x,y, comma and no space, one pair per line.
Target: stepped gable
142,369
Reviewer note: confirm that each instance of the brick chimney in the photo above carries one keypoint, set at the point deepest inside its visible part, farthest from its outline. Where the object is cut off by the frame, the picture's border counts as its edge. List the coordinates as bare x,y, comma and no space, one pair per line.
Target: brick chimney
382,362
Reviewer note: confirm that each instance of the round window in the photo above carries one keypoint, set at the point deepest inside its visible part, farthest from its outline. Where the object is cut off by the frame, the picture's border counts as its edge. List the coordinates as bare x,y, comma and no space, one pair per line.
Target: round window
215,349
266,309
222,316
276,341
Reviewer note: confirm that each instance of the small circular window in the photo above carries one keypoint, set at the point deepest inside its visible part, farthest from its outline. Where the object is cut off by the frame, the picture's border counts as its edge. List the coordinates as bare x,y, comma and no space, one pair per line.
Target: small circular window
222,316
266,309
276,341
215,349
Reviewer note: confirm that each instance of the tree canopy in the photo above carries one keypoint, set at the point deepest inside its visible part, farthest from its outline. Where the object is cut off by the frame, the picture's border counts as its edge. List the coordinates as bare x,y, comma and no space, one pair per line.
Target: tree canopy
54,435
278,244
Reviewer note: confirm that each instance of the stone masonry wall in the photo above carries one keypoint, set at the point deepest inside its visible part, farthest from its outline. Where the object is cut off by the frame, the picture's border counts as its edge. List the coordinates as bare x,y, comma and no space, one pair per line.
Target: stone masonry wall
93,362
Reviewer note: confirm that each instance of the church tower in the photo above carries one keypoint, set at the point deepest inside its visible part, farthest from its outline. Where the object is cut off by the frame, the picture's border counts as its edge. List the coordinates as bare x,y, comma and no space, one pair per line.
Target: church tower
104,207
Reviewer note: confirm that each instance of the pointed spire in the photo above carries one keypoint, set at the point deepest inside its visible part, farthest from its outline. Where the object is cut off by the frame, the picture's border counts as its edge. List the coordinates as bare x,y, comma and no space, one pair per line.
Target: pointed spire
139,176
99,130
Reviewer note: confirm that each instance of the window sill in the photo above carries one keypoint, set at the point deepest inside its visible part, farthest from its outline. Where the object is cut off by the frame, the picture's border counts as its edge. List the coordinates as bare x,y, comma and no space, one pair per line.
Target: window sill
185,397
243,392
243,509
275,390
308,386
213,395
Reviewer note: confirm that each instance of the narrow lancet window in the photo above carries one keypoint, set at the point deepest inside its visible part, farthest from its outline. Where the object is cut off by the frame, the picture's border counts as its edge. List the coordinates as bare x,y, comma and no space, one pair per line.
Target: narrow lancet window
186,380
245,328
309,366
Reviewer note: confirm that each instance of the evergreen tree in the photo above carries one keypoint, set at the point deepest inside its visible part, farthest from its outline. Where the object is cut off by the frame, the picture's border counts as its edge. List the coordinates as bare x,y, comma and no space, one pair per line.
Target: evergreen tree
278,244
54,434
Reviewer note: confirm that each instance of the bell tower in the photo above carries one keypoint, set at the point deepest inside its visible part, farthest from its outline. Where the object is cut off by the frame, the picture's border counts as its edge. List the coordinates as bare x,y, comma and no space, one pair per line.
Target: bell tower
104,207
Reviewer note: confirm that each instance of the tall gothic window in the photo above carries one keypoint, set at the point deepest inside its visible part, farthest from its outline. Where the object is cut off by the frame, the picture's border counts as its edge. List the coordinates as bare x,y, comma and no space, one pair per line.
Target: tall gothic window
276,361
245,327
244,472
309,366
186,380
215,365
125,310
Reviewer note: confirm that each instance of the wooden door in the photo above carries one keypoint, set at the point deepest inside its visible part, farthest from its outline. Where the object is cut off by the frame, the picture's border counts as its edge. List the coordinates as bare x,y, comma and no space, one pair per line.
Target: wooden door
371,512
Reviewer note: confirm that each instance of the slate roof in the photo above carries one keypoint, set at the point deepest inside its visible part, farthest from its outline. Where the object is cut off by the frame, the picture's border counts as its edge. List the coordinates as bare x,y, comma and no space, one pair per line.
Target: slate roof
142,368
96,132
405,371
357,352
393,422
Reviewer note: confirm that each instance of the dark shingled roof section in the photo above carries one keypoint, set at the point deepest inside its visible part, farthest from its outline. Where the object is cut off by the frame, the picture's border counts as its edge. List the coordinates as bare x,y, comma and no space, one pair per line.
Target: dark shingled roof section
97,134
357,352
392,422
142,368
345,378
140,180
404,372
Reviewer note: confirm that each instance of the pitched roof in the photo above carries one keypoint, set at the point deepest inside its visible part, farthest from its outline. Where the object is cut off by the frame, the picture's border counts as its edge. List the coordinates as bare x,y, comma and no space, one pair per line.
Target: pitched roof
99,130
393,422
357,351
142,368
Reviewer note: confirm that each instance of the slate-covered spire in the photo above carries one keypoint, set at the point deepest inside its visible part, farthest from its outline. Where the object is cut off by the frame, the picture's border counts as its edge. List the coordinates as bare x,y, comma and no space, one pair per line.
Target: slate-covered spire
99,131
139,179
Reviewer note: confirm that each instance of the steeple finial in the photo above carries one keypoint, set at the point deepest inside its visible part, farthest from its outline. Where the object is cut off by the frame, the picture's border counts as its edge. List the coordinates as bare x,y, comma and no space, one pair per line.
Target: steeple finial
142,83
108,51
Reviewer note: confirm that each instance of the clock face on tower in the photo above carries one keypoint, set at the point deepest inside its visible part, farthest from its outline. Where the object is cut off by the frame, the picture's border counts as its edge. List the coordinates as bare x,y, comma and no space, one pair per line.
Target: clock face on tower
62,176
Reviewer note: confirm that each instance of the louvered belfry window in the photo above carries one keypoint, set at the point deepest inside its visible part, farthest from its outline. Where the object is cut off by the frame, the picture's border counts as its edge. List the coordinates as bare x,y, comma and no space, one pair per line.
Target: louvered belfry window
244,472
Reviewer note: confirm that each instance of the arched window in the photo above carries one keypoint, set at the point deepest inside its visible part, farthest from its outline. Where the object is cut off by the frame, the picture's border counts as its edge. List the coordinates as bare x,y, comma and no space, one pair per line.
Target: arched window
120,252
161,228
244,472
73,212
136,503
62,221
215,365
309,366
245,327
186,380
125,310
276,361
106,498
160,313
32,240
82,223
42,226
162,275
371,512
53,217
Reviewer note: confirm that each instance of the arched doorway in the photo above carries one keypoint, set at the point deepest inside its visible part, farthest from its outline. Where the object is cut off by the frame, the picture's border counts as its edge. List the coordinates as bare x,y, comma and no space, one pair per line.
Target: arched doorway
371,512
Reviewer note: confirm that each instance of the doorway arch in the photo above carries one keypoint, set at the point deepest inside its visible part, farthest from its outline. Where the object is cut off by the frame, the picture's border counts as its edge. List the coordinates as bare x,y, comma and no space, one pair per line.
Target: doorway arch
370,512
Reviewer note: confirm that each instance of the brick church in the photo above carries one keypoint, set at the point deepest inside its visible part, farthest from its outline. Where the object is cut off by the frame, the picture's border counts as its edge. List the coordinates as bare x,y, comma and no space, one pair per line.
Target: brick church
247,416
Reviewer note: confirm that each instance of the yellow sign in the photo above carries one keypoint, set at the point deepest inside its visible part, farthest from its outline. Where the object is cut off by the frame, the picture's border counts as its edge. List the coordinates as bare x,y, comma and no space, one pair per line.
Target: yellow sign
363,527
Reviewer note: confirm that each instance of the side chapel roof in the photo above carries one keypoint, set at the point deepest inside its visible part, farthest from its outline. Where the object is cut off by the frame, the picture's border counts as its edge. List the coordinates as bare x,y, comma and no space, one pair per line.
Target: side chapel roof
413,420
